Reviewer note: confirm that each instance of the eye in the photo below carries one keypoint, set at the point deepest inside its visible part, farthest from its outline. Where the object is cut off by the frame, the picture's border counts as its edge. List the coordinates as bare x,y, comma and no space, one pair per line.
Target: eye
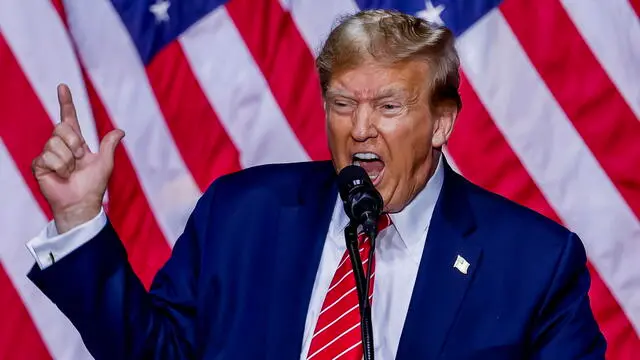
391,108
342,106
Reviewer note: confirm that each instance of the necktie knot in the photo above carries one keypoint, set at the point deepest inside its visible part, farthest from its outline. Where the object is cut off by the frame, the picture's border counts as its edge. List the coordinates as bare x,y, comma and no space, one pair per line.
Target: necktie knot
383,222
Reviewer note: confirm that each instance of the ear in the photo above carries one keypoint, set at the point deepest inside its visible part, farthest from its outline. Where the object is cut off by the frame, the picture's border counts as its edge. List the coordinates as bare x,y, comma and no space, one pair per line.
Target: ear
445,117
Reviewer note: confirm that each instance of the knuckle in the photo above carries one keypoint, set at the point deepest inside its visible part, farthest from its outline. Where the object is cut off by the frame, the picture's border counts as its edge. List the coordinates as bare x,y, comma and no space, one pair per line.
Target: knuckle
46,159
49,161
68,136
34,164
71,165
49,144
60,129
70,162
74,141
52,143
66,157
59,167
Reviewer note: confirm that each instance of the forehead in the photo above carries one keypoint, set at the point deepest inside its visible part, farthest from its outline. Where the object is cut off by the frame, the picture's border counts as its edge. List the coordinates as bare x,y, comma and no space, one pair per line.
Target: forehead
376,79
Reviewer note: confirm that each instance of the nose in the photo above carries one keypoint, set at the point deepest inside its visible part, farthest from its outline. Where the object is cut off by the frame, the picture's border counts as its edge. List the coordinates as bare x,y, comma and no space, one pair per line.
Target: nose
363,125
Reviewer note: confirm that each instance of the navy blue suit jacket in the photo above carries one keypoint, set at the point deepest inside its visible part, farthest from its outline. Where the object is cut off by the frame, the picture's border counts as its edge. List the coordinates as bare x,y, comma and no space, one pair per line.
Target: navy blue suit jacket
239,280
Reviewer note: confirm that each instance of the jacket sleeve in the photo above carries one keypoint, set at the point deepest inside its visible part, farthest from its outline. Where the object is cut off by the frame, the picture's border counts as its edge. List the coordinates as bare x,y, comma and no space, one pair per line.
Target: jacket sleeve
49,246
96,288
566,327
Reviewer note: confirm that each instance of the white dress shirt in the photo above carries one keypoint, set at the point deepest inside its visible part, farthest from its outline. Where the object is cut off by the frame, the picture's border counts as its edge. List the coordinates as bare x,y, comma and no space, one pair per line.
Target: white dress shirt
398,252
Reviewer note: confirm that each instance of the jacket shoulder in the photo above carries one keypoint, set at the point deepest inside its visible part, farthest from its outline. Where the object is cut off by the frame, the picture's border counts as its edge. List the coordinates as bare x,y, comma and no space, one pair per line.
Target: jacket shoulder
281,179
503,215
521,243
536,269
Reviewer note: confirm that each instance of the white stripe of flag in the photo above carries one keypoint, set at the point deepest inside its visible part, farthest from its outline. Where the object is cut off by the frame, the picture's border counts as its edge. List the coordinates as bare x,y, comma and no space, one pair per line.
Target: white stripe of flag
20,220
554,154
124,88
239,93
611,29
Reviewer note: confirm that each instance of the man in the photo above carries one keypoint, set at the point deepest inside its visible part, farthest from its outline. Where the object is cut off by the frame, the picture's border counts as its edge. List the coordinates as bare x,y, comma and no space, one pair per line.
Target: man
261,271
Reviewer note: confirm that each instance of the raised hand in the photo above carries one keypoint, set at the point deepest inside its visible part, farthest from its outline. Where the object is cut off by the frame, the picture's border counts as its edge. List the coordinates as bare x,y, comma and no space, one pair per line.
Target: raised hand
72,179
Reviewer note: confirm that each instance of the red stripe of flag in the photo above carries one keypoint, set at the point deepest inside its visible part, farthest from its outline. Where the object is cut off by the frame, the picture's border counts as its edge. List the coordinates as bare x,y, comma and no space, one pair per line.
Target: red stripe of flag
128,208
25,126
59,7
24,129
622,340
199,136
582,88
19,338
635,4
499,170
286,62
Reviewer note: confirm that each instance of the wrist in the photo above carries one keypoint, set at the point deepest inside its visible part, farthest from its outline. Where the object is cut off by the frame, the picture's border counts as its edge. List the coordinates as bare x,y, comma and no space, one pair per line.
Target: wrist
74,216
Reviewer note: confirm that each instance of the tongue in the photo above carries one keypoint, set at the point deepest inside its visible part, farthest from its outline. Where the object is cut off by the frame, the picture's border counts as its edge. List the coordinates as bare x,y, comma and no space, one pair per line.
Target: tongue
373,167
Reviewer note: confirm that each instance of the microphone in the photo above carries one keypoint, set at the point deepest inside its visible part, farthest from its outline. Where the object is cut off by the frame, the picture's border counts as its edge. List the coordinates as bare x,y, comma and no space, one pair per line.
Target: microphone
362,202
363,205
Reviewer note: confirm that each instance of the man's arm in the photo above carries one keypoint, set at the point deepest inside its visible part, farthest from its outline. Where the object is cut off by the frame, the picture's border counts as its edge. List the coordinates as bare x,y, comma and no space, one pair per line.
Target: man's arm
566,328
49,246
96,288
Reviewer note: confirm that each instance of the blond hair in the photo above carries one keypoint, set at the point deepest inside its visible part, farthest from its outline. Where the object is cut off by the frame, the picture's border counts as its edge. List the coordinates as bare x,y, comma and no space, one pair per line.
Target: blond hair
391,37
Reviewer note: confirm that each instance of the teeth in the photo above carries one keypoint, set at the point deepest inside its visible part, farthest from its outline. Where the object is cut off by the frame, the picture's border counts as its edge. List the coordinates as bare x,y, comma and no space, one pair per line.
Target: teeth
366,156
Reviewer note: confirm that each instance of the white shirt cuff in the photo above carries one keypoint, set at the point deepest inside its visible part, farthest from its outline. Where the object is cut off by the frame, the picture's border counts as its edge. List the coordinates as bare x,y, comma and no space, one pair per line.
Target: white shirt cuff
49,246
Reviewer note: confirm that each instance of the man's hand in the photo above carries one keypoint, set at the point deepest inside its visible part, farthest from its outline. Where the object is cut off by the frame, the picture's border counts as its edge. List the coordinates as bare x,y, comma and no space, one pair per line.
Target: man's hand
72,179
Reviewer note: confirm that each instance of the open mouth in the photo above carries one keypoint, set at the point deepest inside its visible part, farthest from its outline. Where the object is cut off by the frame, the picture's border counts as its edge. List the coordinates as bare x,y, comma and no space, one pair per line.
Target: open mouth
371,163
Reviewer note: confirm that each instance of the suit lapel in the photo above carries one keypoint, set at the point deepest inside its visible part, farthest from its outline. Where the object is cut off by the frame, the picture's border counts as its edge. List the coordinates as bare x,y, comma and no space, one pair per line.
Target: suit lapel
440,287
302,228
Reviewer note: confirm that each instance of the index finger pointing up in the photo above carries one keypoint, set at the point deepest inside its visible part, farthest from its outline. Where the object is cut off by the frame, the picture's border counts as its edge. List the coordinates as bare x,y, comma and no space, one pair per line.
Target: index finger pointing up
67,109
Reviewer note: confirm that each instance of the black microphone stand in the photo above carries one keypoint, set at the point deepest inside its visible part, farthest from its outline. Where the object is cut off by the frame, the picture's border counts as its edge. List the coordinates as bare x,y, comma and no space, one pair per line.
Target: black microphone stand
351,237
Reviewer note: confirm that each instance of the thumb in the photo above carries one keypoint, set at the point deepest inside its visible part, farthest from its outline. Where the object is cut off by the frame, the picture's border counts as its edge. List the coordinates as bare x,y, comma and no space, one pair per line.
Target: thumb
108,145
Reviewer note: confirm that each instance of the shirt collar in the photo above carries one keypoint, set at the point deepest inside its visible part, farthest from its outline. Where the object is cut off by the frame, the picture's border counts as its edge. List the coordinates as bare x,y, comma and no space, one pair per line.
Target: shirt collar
412,222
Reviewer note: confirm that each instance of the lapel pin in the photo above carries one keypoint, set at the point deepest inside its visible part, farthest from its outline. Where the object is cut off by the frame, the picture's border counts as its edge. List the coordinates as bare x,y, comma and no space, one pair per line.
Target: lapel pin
461,264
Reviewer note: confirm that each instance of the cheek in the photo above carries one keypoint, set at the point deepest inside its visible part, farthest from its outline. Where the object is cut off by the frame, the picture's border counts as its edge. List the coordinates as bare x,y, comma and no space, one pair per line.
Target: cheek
341,125
333,128
409,143
398,138
420,135
338,130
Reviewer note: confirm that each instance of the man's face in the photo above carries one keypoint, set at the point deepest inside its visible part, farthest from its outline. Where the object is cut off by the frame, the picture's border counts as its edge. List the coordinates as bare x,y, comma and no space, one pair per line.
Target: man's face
379,118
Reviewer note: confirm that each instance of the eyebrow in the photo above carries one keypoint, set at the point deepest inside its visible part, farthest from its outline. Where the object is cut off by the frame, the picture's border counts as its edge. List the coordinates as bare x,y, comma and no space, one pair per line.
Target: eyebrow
338,92
384,93
388,92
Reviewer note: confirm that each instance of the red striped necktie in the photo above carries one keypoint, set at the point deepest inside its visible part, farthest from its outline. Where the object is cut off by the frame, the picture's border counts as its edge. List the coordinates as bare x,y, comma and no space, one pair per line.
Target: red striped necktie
337,334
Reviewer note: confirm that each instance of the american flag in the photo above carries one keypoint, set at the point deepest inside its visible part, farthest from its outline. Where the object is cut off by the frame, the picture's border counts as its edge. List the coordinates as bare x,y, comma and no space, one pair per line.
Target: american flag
205,87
